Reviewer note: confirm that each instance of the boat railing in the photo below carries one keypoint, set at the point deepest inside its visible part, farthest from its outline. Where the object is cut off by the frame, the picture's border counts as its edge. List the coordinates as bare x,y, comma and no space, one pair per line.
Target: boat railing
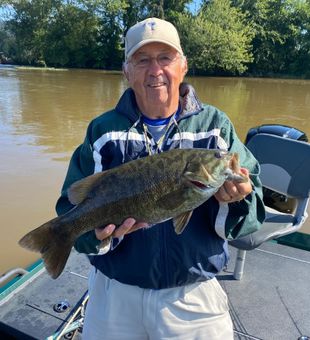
11,274
16,279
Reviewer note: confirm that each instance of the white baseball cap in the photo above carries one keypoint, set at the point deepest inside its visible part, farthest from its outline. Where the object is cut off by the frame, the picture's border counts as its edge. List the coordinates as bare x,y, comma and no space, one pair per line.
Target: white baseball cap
148,31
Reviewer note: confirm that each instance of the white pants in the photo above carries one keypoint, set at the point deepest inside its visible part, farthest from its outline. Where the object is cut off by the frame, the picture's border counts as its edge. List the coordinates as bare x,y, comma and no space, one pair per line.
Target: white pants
116,311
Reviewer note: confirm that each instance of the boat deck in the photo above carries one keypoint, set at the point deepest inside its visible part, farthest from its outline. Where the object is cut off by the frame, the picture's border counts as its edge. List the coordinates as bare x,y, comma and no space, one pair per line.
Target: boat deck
271,302
30,314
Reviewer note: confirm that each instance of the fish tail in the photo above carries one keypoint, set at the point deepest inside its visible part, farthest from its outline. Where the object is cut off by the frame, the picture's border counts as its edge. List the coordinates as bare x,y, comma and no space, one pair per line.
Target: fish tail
54,244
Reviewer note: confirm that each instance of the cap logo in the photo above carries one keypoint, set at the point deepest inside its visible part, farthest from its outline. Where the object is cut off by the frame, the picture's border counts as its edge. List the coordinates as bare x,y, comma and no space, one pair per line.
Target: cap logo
152,25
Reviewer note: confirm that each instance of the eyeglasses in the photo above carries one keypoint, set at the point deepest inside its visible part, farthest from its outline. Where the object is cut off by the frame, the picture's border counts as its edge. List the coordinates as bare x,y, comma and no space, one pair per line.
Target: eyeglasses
163,59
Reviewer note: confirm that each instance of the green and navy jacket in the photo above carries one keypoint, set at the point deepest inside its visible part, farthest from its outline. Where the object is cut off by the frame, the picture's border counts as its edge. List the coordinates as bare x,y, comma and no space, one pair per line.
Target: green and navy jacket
157,257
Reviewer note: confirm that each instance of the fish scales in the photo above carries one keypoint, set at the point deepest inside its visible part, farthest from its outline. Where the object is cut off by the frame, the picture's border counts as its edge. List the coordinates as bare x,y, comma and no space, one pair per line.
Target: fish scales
146,187
151,189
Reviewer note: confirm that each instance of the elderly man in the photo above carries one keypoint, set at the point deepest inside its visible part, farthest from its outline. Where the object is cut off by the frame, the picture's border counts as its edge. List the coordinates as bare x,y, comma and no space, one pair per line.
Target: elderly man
152,283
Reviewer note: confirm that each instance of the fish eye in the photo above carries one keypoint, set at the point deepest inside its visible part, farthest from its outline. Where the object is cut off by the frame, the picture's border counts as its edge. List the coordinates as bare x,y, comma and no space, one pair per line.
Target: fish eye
217,155
220,154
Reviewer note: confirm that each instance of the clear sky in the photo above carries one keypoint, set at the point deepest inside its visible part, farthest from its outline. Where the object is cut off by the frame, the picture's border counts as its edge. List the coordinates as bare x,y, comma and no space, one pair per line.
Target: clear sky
195,5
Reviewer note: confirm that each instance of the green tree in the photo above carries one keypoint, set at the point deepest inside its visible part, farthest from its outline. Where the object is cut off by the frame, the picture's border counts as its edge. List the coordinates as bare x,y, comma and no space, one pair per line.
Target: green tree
300,62
75,33
217,40
28,25
7,44
172,8
109,41
71,37
154,8
137,10
132,14
163,9
281,31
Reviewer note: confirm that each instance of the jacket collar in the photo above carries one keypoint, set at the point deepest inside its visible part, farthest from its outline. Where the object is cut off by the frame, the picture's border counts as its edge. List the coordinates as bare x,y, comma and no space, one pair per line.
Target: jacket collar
127,104
190,102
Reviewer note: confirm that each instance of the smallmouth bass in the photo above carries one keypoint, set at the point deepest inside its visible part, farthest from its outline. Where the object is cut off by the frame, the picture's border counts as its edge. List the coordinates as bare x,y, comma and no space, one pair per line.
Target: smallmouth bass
152,189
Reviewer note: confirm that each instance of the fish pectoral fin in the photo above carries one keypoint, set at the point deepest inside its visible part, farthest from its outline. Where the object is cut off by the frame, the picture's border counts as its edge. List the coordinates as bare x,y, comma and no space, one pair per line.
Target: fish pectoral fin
181,221
80,190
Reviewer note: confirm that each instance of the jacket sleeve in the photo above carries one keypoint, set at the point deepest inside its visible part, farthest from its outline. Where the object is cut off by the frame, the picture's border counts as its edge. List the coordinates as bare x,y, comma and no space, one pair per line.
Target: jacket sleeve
80,166
244,217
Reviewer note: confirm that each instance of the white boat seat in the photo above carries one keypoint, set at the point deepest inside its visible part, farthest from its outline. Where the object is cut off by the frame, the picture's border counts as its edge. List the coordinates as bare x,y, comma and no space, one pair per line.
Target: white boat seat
285,169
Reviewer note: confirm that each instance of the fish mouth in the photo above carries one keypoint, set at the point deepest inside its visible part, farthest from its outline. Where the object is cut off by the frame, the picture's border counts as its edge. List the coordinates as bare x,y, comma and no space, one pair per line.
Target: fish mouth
200,185
203,181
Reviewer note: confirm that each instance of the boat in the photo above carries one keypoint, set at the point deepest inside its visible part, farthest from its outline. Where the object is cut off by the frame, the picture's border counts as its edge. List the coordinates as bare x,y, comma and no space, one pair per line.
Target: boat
271,302
266,281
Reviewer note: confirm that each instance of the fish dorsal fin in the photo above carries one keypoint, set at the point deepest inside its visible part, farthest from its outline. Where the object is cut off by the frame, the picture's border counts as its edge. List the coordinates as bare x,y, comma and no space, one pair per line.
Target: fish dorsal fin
80,190
181,221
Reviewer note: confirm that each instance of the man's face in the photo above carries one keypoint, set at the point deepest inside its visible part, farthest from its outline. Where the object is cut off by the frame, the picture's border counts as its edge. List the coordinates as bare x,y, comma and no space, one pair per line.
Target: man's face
155,72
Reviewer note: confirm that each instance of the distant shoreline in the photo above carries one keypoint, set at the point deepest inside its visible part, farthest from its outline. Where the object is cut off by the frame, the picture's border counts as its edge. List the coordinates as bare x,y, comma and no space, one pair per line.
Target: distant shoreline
119,72
59,69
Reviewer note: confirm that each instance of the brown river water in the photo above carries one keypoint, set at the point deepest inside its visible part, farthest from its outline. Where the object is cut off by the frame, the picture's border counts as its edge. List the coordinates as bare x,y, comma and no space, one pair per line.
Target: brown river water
44,114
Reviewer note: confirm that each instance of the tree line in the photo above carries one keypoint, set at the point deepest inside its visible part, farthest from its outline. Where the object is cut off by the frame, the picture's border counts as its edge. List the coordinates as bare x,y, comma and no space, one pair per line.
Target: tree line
219,37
